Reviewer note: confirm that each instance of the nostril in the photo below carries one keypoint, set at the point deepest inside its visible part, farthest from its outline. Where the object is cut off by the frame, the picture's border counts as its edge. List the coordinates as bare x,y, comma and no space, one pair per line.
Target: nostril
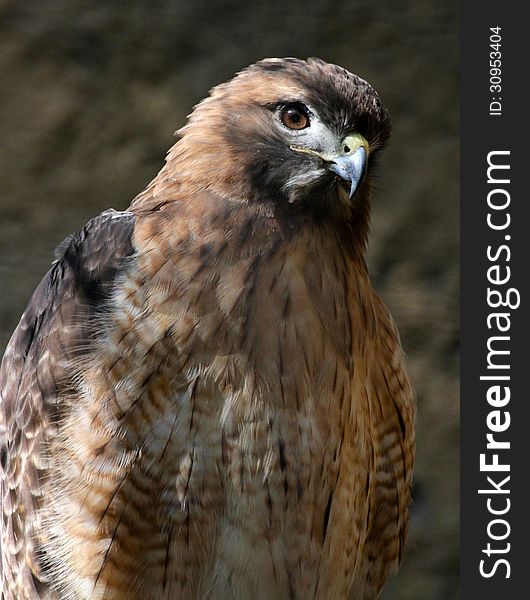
346,149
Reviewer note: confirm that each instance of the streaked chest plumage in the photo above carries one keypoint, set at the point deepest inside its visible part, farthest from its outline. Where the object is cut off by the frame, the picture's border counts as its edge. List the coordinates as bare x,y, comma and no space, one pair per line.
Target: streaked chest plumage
217,432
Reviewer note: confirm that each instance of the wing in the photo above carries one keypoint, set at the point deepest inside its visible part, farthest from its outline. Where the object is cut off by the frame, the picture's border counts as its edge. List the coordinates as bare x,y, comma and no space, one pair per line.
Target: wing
392,407
54,330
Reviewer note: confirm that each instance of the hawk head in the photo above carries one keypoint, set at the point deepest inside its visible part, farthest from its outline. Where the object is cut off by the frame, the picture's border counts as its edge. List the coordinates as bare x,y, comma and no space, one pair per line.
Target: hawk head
287,134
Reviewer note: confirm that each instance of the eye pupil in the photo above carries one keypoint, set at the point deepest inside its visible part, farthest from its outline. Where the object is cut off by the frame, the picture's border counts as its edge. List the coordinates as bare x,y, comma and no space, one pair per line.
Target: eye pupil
295,117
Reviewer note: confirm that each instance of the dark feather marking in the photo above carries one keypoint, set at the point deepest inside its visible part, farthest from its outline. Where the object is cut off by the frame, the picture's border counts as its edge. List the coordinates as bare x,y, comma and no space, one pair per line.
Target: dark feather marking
221,249
115,492
249,286
317,581
280,363
158,207
292,594
283,463
221,323
224,450
336,452
273,282
110,398
306,363
299,487
37,321
269,506
296,334
335,377
364,311
192,398
136,402
273,66
398,524
368,513
241,474
398,412
326,517
189,475
245,231
3,457
286,306
157,343
99,450
118,358
281,372
149,377
335,309
200,269
349,336
142,407
168,438
187,525
154,273
400,419
105,556
184,340
297,397
166,562
131,407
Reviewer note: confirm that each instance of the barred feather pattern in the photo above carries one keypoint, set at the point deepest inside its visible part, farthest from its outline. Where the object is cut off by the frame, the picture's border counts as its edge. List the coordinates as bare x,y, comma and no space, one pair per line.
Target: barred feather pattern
240,427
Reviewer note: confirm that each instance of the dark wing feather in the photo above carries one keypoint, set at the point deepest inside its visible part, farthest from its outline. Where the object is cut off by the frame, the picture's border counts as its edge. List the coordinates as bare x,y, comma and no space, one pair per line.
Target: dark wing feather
54,330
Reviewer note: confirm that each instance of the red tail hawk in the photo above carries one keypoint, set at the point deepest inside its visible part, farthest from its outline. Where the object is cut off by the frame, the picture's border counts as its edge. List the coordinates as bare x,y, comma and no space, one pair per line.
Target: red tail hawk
205,399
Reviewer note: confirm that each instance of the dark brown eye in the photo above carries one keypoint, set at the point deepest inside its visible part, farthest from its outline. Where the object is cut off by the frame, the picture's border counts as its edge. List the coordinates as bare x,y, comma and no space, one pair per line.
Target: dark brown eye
295,117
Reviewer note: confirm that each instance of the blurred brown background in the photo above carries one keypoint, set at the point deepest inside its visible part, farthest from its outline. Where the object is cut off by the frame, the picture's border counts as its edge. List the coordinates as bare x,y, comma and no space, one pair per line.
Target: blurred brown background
91,93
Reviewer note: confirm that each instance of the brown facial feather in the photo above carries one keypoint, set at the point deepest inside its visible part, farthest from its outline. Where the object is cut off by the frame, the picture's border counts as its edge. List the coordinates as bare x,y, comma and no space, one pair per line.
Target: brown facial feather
236,420
233,147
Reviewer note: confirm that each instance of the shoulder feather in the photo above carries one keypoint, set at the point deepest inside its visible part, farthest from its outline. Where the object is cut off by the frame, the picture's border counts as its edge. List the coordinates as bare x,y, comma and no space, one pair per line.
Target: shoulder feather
54,331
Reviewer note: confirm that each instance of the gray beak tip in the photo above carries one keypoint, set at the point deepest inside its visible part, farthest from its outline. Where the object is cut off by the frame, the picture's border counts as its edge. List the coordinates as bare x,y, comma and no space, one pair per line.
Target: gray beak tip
351,168
358,167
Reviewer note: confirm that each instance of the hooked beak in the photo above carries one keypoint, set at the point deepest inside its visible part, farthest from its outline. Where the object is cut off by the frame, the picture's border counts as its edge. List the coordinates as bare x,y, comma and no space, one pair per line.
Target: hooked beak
351,165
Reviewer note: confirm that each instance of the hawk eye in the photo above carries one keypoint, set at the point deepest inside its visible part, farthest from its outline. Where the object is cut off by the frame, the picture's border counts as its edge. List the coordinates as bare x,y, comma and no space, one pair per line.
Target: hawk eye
295,116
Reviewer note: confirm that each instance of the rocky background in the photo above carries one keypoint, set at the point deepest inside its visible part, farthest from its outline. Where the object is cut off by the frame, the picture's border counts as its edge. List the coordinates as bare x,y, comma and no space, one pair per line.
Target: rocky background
91,92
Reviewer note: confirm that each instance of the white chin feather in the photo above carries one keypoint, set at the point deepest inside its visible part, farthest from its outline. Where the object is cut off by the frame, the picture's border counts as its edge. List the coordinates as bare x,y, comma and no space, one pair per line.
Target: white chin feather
302,180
